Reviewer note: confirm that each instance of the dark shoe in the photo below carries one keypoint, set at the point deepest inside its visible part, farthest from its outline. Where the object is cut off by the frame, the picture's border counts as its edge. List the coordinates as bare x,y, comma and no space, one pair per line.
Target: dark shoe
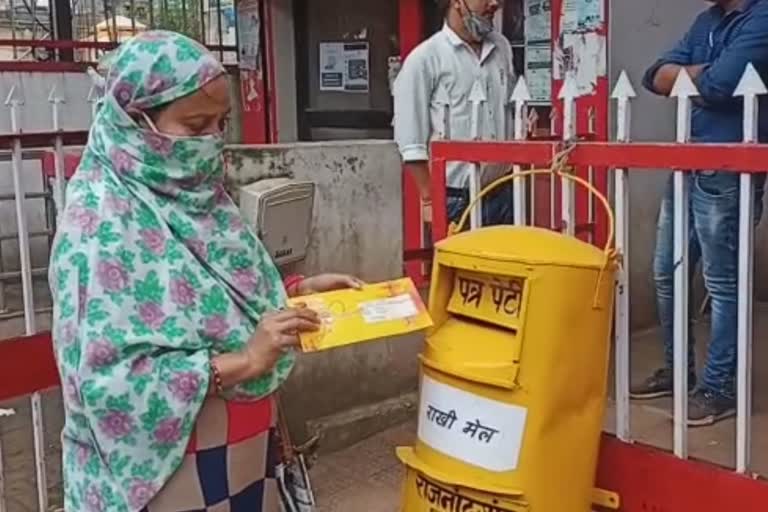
707,408
658,385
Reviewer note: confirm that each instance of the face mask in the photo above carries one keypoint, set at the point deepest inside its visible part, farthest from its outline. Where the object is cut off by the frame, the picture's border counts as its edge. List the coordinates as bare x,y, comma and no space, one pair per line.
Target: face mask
477,26
153,128
172,148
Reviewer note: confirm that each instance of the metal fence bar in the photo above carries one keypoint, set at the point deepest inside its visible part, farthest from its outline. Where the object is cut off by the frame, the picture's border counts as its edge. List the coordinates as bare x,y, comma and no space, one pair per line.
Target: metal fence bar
14,275
28,195
54,27
203,27
684,90
520,98
751,87
27,295
12,9
59,180
552,200
115,32
184,25
478,99
553,119
568,94
34,23
623,93
93,21
151,6
475,186
32,234
220,29
532,200
133,16
532,120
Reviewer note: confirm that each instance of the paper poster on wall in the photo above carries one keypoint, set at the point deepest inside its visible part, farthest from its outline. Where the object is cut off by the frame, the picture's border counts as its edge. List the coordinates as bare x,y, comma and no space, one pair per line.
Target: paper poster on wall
538,72
582,15
591,14
538,21
249,28
356,78
331,66
344,67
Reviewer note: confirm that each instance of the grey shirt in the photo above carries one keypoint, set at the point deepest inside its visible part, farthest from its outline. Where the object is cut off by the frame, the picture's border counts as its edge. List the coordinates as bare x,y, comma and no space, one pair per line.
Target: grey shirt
444,70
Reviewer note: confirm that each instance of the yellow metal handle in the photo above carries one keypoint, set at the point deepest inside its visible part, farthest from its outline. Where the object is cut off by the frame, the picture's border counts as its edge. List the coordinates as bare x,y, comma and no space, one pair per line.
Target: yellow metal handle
457,228
606,499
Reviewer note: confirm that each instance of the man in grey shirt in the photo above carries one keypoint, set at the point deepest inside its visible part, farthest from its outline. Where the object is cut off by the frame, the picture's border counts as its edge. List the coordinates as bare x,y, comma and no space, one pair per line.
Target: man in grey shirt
464,67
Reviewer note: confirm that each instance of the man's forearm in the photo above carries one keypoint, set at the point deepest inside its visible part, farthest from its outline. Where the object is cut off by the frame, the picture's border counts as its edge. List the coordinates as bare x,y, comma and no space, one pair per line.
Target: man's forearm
666,76
420,172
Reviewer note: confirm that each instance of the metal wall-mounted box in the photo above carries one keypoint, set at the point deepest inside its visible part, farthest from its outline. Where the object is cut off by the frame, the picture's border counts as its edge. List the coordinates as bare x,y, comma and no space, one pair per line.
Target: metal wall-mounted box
280,210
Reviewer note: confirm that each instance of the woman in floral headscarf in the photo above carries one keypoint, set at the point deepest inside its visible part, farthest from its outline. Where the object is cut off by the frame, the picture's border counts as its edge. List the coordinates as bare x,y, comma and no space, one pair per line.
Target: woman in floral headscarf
170,328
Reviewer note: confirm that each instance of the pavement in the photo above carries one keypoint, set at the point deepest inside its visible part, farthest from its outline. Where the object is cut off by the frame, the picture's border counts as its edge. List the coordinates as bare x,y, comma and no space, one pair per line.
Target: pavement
364,477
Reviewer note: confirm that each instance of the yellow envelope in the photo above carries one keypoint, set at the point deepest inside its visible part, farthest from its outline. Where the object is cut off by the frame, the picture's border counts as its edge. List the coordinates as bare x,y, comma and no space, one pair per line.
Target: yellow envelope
353,316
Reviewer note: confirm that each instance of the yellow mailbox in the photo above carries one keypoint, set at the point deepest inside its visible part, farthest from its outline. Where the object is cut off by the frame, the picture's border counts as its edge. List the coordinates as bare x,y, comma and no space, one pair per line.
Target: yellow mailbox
514,375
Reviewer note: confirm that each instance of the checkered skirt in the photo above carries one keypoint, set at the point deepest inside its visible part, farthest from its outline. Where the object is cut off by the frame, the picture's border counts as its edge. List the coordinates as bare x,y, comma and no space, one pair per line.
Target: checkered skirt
230,462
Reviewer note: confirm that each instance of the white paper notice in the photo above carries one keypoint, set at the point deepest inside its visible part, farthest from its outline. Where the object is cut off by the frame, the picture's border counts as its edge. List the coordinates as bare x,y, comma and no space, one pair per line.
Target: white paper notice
582,15
387,310
473,429
356,76
538,21
538,72
332,66
591,14
344,67
249,28
569,21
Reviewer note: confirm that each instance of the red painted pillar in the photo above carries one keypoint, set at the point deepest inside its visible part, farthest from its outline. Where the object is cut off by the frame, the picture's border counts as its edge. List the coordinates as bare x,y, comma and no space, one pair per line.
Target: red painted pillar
591,122
253,78
411,34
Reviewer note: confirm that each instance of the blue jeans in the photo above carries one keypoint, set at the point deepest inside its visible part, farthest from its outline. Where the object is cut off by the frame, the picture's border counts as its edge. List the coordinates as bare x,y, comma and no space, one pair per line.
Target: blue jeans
497,205
714,241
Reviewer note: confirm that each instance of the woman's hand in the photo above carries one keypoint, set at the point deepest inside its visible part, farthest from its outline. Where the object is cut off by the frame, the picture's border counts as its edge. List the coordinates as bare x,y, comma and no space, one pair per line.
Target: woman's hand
277,333
326,283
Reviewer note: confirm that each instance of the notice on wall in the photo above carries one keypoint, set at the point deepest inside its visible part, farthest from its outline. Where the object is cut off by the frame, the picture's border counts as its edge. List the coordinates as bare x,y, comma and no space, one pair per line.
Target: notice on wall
538,21
249,30
471,428
538,72
582,15
344,67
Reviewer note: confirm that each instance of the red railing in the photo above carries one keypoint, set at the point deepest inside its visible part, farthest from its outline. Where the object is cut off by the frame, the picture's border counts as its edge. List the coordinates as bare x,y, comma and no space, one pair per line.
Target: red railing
646,478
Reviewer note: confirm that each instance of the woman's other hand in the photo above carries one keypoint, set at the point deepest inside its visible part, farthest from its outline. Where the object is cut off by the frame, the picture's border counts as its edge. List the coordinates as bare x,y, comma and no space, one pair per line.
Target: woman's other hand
277,333
326,283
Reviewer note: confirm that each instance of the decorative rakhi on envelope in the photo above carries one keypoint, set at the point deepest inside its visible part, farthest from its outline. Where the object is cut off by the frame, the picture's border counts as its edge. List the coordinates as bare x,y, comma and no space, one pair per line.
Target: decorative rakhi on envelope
376,311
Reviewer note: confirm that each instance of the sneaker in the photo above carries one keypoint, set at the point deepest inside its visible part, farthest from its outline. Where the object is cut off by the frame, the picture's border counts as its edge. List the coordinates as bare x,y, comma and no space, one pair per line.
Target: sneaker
707,408
658,385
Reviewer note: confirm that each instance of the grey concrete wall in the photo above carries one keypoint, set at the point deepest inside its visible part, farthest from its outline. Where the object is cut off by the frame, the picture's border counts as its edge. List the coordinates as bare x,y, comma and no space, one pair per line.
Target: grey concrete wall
640,31
349,392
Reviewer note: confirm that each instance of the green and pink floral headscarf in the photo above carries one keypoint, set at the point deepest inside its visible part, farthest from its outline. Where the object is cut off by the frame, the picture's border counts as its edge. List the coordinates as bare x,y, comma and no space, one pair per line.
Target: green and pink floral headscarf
152,273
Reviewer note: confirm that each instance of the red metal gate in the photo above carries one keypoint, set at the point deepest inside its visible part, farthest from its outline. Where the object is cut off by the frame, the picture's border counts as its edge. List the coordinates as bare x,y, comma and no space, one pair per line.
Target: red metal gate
649,479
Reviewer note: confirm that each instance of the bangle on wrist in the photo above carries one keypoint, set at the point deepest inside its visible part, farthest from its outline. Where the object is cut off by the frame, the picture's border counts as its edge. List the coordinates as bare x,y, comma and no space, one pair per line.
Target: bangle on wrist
292,284
217,385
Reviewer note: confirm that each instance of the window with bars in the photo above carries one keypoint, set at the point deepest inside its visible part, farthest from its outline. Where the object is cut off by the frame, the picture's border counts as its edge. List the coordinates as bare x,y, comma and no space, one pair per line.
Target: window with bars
28,28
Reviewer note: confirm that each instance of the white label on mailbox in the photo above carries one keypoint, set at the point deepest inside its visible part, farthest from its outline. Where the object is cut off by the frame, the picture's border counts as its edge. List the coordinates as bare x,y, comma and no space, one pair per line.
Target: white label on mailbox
473,429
